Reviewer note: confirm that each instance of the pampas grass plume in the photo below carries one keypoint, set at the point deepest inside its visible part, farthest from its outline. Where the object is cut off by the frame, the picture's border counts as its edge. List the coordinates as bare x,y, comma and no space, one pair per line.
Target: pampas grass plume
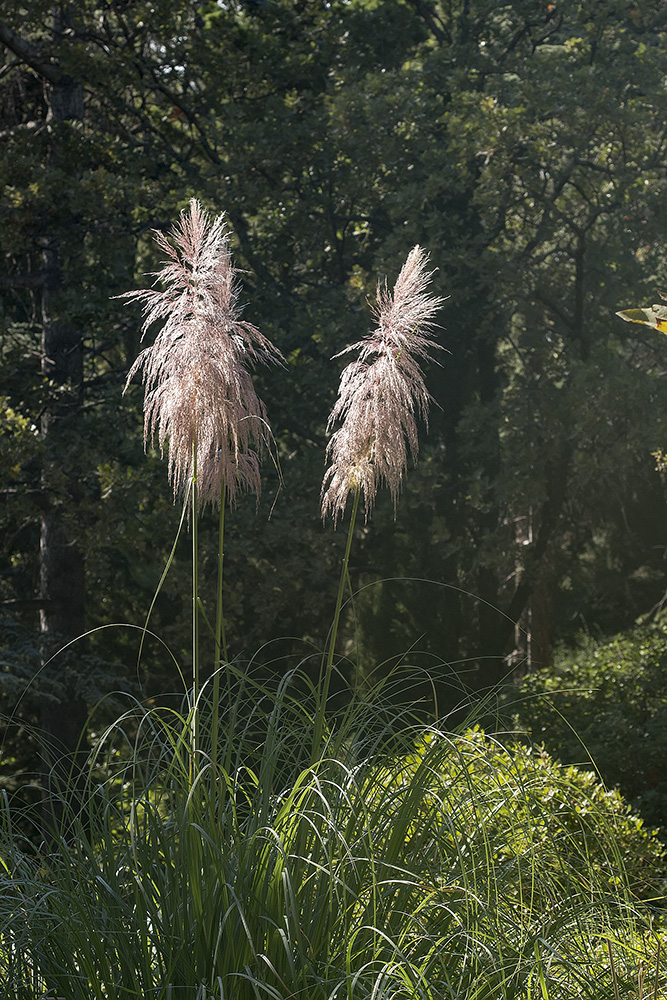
199,395
382,393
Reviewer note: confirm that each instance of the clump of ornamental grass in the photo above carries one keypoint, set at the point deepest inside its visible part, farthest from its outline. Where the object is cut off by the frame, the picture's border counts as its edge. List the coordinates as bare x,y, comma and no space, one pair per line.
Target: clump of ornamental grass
199,395
454,867
373,859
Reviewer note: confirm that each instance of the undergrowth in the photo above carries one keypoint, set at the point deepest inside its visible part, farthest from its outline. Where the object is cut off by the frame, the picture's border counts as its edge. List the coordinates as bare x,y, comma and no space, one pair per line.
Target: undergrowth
391,863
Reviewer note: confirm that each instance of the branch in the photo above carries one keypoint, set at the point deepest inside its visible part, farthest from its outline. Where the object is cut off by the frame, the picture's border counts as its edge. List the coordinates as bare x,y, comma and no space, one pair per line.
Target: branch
10,491
556,309
11,281
39,603
436,25
35,127
28,54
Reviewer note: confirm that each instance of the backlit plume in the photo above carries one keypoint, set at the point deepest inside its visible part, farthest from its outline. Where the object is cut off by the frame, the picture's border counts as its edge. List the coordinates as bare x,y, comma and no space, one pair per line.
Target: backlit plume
199,396
382,393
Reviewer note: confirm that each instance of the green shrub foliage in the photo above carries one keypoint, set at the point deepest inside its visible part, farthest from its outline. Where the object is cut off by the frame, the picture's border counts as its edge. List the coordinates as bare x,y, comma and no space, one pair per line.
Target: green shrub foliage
606,703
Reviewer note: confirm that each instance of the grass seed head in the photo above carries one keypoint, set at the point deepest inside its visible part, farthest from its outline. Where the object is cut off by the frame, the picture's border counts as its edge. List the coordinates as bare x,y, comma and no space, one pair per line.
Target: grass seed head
382,392
199,394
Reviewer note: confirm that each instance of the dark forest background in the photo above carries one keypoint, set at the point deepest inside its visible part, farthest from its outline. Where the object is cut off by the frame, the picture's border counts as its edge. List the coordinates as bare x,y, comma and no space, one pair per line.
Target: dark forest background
522,144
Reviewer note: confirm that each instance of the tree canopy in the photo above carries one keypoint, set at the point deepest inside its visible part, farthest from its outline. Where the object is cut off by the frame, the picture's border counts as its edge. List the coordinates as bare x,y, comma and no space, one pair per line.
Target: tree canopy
522,144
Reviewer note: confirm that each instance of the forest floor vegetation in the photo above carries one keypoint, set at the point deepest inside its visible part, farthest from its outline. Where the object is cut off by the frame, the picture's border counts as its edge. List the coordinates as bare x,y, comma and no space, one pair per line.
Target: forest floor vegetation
391,860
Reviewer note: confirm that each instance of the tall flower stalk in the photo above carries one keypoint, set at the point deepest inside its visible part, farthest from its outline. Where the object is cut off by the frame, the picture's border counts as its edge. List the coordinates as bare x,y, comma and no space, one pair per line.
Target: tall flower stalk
382,393
199,396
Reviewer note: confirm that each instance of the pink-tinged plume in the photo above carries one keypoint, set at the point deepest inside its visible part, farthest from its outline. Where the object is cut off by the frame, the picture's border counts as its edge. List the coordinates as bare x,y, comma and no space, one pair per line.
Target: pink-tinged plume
199,396
382,393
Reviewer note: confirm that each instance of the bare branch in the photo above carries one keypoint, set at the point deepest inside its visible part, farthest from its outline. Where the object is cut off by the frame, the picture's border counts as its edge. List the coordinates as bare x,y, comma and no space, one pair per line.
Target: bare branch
28,54
437,27
38,603
11,281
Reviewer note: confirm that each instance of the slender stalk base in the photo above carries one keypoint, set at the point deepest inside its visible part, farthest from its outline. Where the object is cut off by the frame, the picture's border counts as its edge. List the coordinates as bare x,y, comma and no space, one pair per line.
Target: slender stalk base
328,669
220,637
195,612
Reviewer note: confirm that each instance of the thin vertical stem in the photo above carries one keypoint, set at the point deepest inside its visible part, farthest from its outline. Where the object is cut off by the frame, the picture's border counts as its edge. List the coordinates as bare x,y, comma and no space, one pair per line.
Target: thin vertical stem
341,584
319,721
220,637
195,609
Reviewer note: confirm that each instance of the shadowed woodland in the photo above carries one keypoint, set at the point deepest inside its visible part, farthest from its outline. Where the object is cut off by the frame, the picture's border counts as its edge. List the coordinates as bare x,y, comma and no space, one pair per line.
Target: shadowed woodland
513,577
522,145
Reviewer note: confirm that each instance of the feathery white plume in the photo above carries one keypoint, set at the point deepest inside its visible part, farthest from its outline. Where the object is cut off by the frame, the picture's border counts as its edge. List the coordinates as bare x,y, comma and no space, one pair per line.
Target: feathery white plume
381,393
199,395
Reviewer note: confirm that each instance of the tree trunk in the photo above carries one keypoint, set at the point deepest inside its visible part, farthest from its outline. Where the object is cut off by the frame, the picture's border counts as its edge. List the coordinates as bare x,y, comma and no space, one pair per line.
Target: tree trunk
63,712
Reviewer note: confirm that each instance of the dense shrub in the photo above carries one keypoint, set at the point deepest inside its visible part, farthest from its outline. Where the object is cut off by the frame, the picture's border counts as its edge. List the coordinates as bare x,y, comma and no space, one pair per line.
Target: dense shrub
605,704
524,800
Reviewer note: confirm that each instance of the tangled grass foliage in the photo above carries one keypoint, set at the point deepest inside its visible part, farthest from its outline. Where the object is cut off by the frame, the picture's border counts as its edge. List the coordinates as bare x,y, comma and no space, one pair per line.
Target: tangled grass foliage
413,865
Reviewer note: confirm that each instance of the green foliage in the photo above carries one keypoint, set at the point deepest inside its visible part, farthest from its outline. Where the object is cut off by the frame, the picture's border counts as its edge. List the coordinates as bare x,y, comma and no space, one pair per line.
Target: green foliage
455,868
605,704
527,798
521,146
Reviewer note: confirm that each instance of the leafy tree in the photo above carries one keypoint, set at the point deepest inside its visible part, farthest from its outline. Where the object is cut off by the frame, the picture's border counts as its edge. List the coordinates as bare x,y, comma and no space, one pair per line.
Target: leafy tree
68,240
531,157
521,144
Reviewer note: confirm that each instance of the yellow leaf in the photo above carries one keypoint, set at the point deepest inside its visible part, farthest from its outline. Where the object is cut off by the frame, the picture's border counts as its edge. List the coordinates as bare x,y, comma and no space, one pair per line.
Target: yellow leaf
655,317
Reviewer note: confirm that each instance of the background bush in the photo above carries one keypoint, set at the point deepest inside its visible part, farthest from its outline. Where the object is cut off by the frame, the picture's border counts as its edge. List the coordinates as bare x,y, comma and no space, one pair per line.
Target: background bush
605,704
